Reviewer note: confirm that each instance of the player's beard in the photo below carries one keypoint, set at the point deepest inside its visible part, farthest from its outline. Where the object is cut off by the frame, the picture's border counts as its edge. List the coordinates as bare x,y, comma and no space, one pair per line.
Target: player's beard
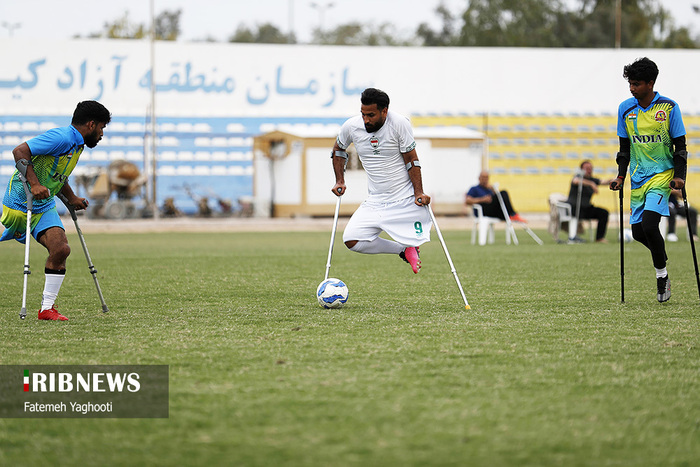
374,127
92,139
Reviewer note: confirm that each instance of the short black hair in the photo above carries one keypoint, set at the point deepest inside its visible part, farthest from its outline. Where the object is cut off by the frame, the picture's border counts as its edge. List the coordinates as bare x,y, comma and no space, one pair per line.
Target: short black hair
642,69
89,111
375,96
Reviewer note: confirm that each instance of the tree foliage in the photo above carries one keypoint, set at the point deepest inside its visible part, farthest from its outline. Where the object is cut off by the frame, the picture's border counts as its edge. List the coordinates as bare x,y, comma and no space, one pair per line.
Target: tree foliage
552,23
266,33
482,23
356,33
445,36
509,23
167,27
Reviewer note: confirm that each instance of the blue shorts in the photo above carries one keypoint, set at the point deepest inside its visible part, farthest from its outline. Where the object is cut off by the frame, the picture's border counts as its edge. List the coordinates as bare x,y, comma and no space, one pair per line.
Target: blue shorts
652,196
15,223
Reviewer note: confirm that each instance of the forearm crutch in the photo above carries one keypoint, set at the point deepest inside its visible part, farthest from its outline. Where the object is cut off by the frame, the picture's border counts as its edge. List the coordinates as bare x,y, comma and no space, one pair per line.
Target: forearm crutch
690,236
622,252
447,255
510,231
22,169
93,271
335,226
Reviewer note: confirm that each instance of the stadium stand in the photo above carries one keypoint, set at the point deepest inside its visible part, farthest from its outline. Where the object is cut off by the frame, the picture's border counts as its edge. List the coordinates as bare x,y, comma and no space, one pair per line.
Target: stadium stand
535,155
531,155
204,157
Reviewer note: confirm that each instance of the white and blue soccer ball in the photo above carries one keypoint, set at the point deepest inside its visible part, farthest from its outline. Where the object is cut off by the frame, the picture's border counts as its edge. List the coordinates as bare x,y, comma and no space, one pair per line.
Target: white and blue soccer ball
332,293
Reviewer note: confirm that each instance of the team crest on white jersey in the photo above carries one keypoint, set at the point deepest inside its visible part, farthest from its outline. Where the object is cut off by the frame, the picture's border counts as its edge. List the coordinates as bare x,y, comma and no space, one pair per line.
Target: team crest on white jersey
374,142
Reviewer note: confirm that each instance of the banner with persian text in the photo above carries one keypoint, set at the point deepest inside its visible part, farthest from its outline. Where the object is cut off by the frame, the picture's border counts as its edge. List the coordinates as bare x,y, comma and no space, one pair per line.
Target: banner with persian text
226,79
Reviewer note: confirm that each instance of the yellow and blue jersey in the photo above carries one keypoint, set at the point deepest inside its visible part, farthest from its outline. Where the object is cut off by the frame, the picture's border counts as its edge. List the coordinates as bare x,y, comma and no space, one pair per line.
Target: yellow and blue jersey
54,155
650,132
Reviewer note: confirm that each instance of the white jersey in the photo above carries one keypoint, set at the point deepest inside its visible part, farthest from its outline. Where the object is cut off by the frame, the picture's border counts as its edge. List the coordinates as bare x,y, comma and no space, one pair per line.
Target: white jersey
381,155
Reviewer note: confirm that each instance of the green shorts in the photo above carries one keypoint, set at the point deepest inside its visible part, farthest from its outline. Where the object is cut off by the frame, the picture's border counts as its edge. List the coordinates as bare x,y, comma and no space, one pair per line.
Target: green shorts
15,223
652,196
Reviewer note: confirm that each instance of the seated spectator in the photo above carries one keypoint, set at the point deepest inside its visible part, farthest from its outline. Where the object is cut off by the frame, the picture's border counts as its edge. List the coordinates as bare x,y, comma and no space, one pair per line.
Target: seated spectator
589,186
484,195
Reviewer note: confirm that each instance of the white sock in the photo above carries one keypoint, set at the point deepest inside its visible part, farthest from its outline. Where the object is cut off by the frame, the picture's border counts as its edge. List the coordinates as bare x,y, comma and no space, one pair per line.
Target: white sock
661,273
51,287
377,246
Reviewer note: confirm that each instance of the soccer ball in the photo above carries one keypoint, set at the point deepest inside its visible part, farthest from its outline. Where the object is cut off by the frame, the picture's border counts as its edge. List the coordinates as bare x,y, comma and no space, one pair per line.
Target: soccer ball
332,293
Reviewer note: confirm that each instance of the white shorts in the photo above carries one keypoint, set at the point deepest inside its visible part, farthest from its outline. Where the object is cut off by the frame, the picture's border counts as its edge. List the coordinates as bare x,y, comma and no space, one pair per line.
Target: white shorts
403,220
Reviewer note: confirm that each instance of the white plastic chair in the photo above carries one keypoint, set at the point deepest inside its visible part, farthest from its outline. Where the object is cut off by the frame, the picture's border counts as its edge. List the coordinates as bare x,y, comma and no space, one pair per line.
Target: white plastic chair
663,226
484,227
564,213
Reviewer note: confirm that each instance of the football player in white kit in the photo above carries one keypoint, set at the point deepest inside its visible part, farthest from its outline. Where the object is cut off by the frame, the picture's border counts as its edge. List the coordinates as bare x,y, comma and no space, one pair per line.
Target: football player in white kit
396,202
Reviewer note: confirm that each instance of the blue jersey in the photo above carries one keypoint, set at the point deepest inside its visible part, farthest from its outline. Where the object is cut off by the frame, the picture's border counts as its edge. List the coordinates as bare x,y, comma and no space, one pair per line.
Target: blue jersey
650,132
54,155
477,191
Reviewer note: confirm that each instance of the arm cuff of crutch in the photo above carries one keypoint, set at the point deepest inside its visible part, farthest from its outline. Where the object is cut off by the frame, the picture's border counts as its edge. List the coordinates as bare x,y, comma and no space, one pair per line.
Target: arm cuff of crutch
412,164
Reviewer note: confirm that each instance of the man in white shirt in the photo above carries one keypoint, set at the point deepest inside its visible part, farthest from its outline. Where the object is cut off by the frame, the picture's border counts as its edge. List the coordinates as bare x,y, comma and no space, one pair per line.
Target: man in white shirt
396,202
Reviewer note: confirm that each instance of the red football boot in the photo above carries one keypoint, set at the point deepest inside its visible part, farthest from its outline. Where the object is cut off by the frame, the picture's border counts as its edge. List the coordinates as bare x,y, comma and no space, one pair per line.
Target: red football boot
52,314
412,256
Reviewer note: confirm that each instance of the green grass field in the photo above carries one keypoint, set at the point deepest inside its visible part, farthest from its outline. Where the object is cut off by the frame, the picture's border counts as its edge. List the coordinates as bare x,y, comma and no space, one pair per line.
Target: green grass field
547,368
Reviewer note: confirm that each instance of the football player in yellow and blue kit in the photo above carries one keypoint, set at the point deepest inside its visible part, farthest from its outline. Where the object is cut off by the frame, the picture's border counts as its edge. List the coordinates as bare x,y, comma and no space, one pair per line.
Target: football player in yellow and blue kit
49,159
652,144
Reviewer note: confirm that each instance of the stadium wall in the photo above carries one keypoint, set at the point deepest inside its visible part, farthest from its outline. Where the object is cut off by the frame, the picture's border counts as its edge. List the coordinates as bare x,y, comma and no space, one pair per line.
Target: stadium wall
292,175
212,99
